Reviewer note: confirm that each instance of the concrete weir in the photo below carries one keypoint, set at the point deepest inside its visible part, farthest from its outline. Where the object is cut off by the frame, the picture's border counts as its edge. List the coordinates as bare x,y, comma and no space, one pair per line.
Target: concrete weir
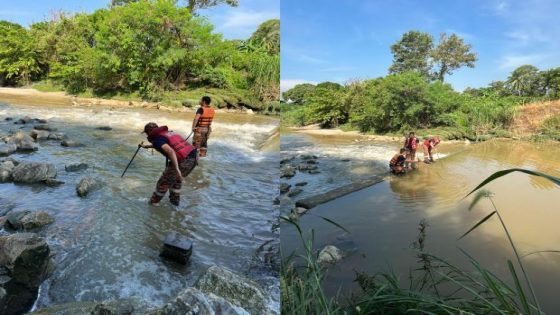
316,200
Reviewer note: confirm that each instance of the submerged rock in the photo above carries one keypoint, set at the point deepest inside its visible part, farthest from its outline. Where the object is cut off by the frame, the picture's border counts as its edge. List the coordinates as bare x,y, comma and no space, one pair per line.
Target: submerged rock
28,220
329,255
287,171
70,143
56,136
284,188
75,167
234,288
87,185
301,184
24,264
105,128
194,301
45,127
294,192
39,134
23,142
7,149
33,172
6,170
23,121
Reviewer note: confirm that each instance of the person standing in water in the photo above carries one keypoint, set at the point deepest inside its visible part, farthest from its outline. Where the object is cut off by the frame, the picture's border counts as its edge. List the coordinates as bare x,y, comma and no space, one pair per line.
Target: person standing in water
410,143
202,125
180,152
429,145
396,165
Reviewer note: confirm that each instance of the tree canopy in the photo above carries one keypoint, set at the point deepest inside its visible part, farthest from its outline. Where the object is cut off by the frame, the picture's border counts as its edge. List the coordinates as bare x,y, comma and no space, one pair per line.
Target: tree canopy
412,52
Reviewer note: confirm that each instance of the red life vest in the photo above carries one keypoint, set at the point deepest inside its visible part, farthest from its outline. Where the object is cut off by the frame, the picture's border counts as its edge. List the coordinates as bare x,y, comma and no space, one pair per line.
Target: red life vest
395,159
410,143
181,146
206,117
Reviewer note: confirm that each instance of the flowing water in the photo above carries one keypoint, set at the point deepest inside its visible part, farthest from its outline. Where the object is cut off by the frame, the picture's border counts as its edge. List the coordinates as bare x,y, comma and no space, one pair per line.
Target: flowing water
383,219
106,245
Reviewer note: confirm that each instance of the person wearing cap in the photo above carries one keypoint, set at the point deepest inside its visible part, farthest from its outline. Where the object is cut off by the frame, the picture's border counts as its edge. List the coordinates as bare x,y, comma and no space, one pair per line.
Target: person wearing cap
202,125
180,152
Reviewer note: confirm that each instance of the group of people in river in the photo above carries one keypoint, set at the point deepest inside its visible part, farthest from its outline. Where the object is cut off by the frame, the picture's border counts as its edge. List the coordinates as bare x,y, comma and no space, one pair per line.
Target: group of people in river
405,159
181,156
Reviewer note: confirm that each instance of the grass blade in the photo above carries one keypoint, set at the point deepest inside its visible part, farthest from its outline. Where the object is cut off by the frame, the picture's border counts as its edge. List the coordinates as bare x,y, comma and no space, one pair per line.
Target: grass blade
520,291
479,223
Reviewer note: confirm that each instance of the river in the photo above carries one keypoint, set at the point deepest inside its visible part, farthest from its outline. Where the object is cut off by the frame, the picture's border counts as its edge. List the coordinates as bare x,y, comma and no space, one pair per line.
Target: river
106,245
383,219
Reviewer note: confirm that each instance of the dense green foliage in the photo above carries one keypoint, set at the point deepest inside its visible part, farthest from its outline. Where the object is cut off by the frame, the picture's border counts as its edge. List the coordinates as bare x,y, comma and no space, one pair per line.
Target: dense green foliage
415,51
148,48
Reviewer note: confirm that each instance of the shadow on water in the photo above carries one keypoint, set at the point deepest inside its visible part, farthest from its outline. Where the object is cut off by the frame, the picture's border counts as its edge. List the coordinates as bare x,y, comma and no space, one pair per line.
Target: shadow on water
107,245
383,219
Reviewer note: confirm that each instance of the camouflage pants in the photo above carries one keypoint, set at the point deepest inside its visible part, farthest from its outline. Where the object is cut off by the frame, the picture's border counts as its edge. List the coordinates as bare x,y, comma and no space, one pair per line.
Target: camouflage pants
169,180
200,139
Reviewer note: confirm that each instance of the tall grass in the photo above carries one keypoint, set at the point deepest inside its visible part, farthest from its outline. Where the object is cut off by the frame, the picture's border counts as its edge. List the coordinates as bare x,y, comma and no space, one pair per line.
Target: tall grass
436,286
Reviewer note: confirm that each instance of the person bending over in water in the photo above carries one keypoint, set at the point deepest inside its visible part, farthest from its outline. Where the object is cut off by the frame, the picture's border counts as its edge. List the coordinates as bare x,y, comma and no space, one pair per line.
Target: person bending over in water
396,165
180,152
429,145
202,125
410,143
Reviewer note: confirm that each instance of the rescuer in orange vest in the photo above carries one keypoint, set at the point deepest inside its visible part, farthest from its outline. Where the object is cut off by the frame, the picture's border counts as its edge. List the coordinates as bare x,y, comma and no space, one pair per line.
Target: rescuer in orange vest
180,152
396,165
411,144
202,125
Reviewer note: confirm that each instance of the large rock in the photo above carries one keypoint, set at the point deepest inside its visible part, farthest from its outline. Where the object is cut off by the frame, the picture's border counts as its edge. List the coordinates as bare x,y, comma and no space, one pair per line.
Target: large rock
194,301
39,134
87,185
33,172
6,170
24,264
28,220
7,149
71,144
330,255
75,167
23,121
234,288
23,142
287,171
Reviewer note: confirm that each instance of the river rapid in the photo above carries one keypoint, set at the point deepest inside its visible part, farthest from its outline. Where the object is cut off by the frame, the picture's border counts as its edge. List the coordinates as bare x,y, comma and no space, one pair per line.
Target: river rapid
383,219
106,246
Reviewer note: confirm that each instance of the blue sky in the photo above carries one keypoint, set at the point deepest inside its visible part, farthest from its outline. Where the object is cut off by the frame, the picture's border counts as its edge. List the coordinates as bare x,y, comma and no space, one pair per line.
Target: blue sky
341,40
234,23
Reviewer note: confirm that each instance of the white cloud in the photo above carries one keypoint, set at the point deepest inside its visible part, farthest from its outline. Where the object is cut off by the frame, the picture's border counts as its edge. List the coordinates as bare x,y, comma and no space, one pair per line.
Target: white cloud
286,84
510,62
527,36
241,23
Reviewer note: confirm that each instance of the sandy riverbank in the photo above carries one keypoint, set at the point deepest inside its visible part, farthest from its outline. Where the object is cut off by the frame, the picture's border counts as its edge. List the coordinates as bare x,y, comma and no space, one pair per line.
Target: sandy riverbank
32,96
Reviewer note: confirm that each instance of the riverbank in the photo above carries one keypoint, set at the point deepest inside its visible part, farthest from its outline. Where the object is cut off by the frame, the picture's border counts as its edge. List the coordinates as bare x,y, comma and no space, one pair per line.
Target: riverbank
30,95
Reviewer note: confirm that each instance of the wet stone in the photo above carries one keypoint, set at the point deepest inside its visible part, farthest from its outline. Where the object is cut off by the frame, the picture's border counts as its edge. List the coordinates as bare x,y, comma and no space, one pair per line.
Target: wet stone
70,144
301,184
284,188
75,167
294,192
177,247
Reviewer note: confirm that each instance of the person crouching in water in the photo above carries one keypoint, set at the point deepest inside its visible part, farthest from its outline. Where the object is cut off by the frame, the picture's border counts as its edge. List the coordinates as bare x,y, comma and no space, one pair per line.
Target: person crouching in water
429,145
396,165
180,152
202,125
410,143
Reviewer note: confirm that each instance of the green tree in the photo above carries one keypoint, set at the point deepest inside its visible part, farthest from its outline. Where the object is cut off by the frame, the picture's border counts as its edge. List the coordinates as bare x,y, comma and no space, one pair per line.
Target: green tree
451,54
523,79
195,5
299,93
19,58
327,106
411,53
267,36
550,80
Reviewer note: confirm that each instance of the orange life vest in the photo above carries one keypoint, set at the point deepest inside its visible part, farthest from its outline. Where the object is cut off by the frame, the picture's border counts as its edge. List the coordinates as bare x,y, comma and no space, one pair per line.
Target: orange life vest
205,119
181,146
395,159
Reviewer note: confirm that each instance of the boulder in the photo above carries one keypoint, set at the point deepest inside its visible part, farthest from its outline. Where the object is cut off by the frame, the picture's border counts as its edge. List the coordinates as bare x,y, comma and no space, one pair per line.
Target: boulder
87,185
33,172
56,136
294,192
287,171
284,188
23,142
234,288
23,121
45,127
7,149
194,301
329,255
28,220
75,167
6,170
24,264
70,143
39,134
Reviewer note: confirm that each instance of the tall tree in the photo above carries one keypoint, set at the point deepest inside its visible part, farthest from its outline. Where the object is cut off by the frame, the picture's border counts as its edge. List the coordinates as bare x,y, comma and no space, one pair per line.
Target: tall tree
19,58
522,80
451,54
411,53
267,36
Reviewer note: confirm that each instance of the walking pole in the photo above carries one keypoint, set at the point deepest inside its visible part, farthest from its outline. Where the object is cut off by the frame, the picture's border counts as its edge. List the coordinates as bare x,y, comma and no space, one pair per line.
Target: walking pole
190,134
139,146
